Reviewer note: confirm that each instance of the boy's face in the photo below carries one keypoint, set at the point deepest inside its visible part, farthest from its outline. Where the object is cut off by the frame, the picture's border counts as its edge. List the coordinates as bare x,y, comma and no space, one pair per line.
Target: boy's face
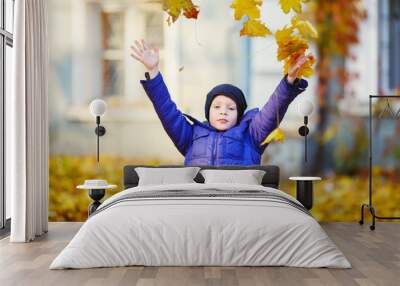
223,113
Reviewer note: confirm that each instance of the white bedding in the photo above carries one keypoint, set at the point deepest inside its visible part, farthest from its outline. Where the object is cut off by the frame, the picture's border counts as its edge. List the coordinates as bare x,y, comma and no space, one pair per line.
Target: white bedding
181,231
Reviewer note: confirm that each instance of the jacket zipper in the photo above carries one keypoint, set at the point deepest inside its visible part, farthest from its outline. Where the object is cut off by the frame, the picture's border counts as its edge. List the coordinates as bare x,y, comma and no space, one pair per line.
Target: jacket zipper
216,150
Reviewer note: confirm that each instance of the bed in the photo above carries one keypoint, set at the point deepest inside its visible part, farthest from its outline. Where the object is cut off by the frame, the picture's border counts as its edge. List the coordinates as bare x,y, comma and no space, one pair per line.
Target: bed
201,223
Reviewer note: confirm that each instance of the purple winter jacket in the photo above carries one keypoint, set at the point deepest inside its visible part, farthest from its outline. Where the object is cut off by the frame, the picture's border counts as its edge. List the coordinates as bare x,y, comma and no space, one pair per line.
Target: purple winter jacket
201,144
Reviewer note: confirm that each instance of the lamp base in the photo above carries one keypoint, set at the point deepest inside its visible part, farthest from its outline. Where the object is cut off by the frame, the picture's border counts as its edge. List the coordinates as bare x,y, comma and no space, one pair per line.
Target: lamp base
304,193
96,195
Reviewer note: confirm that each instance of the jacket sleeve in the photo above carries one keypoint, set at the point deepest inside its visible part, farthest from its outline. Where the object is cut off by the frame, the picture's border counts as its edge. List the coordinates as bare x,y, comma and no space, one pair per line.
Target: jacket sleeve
264,122
174,122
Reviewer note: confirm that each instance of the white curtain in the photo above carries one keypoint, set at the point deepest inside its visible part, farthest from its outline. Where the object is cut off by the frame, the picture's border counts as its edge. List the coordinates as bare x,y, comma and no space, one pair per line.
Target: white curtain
27,123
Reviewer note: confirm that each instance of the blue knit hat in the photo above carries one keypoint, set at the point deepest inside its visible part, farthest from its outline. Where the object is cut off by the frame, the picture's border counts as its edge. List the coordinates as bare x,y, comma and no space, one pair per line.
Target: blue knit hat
230,91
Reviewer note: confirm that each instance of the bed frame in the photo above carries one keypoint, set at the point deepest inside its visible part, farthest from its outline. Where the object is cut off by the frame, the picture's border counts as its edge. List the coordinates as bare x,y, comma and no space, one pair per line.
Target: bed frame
270,179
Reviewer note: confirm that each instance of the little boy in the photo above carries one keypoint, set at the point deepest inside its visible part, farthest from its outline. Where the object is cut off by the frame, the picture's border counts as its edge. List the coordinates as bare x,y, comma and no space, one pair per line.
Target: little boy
230,136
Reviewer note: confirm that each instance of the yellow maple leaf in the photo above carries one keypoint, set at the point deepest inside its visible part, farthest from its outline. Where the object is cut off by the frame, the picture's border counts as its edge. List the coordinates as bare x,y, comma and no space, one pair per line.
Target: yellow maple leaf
254,28
247,8
305,28
284,34
276,135
287,5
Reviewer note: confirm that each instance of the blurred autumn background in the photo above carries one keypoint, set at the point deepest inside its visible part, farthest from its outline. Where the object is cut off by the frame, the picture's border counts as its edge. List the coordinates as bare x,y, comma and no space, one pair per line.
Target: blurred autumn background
249,43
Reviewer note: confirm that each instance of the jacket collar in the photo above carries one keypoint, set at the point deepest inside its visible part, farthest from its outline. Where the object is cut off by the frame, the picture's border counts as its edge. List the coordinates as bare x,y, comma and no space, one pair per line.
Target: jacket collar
247,116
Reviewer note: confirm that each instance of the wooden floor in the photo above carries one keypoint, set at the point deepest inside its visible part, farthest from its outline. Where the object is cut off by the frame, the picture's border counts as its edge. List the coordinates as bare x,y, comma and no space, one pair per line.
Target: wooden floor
374,255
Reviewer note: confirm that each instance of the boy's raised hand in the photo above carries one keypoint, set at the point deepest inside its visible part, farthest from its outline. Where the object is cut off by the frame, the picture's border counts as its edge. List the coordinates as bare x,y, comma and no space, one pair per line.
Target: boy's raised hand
293,70
148,56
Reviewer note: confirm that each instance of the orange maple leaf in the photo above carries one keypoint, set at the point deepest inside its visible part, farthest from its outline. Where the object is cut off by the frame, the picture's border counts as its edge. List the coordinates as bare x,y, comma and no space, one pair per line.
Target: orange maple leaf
174,8
289,44
305,70
191,13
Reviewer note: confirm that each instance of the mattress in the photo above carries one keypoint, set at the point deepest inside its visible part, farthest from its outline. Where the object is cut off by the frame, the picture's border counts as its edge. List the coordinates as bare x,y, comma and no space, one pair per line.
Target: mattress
201,225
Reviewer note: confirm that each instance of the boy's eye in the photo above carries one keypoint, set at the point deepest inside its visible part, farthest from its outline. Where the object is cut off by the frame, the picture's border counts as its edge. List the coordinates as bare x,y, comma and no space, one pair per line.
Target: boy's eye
232,108
216,106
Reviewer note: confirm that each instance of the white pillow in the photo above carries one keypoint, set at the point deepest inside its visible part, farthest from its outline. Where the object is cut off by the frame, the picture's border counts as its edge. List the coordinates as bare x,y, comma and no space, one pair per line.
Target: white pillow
164,176
248,177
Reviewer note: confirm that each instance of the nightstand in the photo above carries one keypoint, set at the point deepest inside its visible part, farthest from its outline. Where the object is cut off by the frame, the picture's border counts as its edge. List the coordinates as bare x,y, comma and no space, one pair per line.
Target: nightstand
97,190
304,190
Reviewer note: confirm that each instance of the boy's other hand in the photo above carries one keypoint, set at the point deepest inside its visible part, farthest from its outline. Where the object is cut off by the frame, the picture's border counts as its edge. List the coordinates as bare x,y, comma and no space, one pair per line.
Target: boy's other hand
293,70
148,56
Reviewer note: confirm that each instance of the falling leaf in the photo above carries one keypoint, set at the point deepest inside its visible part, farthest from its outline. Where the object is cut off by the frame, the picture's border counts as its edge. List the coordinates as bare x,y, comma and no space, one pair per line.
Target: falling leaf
191,13
247,8
254,28
329,134
276,135
287,5
175,7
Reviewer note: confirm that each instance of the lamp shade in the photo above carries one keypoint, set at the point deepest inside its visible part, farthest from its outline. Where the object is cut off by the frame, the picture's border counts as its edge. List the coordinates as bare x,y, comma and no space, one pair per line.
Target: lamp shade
305,107
98,107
